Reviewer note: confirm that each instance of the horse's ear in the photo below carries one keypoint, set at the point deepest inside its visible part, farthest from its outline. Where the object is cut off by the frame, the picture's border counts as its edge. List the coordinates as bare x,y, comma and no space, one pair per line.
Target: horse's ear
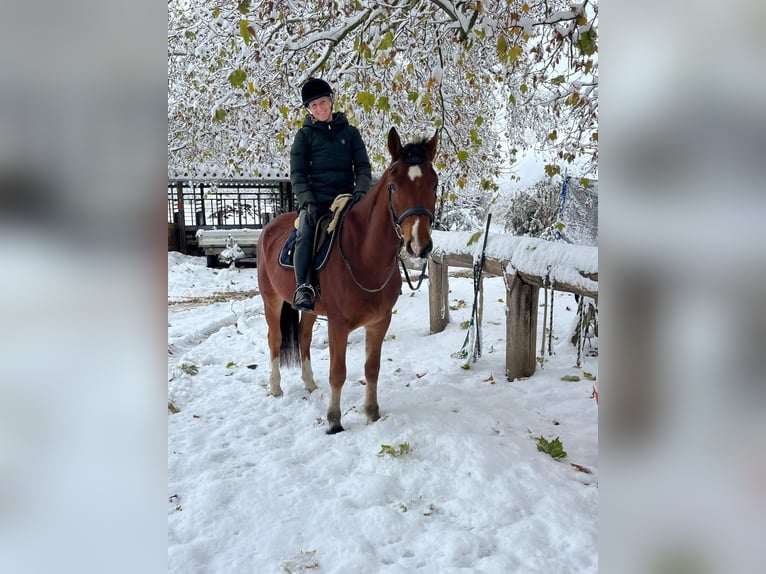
394,143
432,144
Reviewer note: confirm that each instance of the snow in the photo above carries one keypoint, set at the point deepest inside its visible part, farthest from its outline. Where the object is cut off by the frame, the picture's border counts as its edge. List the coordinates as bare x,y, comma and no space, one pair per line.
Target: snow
255,484
561,262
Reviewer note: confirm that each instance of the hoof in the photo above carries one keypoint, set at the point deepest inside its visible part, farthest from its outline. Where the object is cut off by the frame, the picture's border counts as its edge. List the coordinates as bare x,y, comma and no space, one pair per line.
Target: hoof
311,388
275,393
335,429
373,413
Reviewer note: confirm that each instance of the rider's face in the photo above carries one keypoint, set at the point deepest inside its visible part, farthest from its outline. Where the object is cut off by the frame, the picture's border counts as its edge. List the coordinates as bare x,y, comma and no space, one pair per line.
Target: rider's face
321,109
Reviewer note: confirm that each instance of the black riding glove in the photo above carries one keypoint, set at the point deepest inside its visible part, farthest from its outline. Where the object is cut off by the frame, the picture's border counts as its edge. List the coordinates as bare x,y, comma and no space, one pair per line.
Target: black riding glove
356,197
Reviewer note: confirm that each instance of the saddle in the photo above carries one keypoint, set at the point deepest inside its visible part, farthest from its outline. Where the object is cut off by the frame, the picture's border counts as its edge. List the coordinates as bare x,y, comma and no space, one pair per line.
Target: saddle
326,230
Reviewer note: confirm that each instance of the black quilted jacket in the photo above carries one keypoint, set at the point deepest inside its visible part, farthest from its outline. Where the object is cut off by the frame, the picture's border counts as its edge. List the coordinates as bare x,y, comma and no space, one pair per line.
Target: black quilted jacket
328,159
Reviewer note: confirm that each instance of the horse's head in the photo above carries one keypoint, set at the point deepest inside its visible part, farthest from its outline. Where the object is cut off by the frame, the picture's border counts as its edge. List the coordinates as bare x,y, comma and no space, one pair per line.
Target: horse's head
412,183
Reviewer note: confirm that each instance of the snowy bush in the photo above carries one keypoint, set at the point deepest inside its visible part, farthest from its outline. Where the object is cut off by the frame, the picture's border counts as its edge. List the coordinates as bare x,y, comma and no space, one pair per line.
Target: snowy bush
533,212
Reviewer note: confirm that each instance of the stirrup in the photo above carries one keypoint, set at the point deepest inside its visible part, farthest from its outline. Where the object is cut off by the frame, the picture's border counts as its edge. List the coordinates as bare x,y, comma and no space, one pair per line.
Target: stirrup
308,296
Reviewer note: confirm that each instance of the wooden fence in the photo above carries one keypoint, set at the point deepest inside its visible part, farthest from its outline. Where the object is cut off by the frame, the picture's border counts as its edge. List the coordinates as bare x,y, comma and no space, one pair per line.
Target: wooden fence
526,264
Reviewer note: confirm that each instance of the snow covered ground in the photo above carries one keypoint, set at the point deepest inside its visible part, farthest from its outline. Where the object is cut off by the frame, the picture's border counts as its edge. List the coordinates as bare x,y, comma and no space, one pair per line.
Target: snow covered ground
255,484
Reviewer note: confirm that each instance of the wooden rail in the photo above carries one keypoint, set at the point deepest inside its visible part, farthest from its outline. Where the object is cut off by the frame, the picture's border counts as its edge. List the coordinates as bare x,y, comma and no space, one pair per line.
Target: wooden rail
527,264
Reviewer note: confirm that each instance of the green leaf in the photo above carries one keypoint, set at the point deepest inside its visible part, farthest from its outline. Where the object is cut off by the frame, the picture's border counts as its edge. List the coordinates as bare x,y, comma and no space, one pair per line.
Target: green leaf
558,80
479,121
589,376
237,78
189,369
573,99
219,116
465,367
587,42
383,104
243,6
552,448
502,47
190,35
387,41
366,100
231,364
514,53
523,88
387,449
413,96
244,31
552,170
463,155
473,239
570,378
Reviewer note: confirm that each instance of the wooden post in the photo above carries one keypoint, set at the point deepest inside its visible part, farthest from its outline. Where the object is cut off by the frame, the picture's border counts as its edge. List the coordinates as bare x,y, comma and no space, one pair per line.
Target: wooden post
521,328
438,295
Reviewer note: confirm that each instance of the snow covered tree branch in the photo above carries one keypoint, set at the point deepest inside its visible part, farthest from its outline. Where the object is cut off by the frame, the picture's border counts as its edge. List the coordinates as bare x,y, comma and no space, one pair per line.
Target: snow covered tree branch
486,73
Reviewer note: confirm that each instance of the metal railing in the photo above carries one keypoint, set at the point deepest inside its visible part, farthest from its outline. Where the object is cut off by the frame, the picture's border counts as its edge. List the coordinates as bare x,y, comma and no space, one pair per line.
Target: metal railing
228,203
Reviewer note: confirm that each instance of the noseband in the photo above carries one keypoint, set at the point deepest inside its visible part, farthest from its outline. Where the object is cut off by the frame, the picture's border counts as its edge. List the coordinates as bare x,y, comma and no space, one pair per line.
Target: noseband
415,210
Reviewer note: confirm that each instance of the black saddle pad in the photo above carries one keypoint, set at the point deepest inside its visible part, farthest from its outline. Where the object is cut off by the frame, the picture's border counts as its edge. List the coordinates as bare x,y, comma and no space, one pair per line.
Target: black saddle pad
322,243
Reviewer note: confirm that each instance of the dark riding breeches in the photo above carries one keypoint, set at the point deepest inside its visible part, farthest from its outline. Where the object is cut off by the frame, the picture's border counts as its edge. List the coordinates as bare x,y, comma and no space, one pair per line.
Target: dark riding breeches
304,242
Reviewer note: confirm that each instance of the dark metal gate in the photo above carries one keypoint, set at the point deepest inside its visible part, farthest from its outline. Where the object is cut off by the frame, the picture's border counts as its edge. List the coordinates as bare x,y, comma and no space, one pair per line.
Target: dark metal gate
222,204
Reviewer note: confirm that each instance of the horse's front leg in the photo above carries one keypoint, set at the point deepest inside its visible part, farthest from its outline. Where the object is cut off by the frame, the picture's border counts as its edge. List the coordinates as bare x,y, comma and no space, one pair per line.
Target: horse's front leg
338,342
306,331
374,335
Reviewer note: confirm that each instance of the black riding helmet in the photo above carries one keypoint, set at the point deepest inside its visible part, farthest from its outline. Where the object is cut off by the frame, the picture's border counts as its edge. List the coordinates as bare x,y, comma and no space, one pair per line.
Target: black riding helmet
314,89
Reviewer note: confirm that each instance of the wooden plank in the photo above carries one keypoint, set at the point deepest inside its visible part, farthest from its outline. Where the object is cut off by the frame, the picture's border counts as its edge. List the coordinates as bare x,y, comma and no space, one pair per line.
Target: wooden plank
438,295
496,268
563,286
521,328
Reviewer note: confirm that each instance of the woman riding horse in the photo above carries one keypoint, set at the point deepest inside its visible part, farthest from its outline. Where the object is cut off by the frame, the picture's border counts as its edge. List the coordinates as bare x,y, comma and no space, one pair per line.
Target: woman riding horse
359,282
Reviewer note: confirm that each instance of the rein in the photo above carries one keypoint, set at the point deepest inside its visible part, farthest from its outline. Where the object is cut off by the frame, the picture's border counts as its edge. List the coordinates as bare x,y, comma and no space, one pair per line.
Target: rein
407,275
397,221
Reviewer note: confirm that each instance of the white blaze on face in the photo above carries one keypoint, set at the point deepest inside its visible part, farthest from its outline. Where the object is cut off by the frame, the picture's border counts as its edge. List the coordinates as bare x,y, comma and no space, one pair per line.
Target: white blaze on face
414,172
415,242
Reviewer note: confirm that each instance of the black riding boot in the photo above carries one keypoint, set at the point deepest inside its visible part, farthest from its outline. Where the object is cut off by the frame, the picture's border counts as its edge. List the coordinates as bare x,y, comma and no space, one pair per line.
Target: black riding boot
304,297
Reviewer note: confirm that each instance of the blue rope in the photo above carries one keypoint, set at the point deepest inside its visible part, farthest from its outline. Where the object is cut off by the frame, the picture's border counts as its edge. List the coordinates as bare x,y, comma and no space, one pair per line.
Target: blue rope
563,201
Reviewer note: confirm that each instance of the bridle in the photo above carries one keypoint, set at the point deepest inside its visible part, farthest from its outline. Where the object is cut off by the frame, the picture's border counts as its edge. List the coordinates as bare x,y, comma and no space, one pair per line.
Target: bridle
397,223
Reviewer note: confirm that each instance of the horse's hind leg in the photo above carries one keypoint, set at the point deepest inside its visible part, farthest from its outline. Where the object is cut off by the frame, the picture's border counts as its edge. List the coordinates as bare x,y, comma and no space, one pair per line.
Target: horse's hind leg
338,343
306,328
374,335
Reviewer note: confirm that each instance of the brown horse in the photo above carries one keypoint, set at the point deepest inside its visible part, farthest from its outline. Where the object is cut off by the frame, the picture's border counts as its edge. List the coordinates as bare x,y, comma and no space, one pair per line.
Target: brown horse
359,284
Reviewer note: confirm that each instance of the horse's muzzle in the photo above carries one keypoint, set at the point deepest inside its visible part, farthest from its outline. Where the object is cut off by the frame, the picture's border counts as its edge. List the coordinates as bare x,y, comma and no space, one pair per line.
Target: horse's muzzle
420,251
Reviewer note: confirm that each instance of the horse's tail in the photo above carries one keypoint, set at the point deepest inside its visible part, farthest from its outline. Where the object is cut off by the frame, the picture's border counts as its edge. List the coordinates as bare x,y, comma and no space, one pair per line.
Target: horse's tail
289,352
